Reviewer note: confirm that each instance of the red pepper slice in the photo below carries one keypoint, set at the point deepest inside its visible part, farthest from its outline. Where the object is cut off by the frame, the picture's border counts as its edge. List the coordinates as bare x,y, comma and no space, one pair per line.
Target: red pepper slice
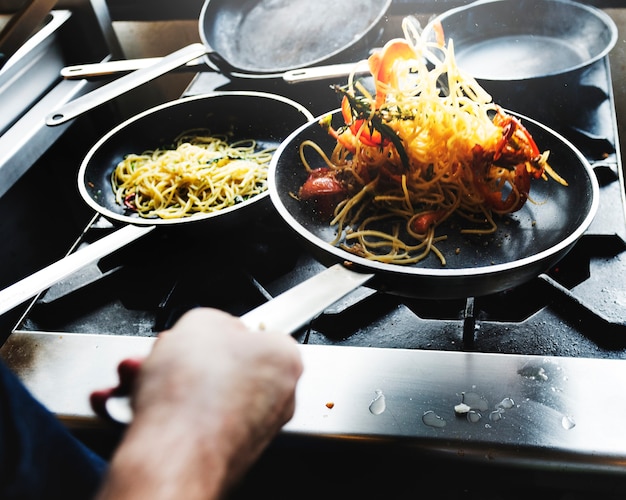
367,135
421,223
382,65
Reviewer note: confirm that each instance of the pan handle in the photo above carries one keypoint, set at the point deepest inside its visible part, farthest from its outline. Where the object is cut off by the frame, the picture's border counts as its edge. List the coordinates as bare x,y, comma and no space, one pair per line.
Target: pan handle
30,286
285,313
292,309
125,84
112,68
314,73
325,72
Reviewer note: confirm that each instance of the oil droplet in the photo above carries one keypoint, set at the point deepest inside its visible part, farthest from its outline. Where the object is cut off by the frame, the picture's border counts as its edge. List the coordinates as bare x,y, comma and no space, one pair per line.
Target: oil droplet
568,422
473,416
506,404
431,419
378,404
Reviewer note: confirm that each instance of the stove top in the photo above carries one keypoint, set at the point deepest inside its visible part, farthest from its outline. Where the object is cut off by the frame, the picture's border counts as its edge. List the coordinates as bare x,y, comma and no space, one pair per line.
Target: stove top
582,298
535,365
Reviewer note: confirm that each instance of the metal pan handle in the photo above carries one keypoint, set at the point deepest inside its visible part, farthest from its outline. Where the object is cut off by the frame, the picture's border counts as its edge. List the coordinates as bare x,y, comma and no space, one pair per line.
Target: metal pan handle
285,313
313,73
43,279
295,307
112,68
325,72
125,84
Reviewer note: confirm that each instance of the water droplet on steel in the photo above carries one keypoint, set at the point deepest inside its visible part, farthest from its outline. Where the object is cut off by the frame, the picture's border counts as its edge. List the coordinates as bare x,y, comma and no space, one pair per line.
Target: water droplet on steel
506,404
568,422
475,401
431,419
473,416
378,404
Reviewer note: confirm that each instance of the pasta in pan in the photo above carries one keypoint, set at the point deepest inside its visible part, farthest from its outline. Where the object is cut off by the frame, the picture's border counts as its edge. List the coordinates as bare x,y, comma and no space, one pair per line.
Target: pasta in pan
427,144
202,173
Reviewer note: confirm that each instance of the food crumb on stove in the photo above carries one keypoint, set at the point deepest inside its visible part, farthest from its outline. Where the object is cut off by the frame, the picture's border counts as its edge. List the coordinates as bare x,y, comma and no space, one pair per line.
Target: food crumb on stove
457,251
330,405
462,409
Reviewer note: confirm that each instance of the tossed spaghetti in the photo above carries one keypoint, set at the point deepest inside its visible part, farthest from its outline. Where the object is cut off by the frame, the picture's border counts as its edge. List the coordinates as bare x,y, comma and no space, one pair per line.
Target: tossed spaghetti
428,143
202,173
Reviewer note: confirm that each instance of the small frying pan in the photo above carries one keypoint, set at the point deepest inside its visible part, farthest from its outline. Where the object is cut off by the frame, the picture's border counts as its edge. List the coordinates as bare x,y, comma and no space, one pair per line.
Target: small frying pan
526,244
258,39
266,118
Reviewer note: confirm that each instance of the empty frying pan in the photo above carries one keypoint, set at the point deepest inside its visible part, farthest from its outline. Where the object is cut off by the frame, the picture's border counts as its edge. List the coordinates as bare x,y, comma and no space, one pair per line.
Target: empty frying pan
258,39
532,57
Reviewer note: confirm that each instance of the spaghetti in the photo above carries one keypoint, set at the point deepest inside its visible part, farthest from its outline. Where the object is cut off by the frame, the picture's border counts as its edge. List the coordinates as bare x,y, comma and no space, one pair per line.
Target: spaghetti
202,173
410,155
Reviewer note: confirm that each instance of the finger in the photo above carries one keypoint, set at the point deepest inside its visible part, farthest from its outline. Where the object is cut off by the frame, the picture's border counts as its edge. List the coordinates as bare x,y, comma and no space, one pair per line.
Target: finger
127,371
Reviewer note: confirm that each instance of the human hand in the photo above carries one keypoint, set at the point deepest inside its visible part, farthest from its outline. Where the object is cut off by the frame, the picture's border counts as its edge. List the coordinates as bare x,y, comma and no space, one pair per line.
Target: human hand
127,372
207,401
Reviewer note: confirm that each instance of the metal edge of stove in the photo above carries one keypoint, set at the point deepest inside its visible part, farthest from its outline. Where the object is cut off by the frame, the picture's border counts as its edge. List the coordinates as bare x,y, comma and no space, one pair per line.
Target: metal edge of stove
32,70
617,143
30,87
547,412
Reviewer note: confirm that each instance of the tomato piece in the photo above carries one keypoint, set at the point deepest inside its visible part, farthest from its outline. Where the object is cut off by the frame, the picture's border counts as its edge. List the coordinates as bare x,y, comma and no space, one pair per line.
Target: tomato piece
322,191
422,222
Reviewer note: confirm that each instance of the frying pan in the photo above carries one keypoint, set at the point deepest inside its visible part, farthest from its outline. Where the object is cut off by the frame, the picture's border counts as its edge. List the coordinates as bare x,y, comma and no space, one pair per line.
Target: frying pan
258,39
526,244
529,55
267,118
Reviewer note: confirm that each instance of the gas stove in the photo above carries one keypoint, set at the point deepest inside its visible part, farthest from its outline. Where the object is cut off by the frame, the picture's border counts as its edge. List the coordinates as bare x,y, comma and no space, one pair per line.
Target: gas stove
528,378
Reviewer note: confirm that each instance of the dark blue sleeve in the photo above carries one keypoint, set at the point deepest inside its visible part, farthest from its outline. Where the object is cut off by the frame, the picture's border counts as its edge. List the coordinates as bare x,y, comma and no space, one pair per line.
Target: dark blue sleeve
39,457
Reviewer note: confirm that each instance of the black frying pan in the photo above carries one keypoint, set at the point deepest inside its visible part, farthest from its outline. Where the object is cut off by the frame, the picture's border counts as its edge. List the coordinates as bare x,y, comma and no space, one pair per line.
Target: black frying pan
258,39
527,243
274,36
531,56
508,40
267,118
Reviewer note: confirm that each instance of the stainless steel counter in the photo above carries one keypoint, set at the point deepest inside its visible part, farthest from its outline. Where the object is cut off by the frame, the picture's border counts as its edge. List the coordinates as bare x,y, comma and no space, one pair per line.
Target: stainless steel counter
548,412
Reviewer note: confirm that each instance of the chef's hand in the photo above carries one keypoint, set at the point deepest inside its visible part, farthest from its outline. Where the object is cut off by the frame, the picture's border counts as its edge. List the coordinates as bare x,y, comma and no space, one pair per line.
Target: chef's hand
127,372
207,401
